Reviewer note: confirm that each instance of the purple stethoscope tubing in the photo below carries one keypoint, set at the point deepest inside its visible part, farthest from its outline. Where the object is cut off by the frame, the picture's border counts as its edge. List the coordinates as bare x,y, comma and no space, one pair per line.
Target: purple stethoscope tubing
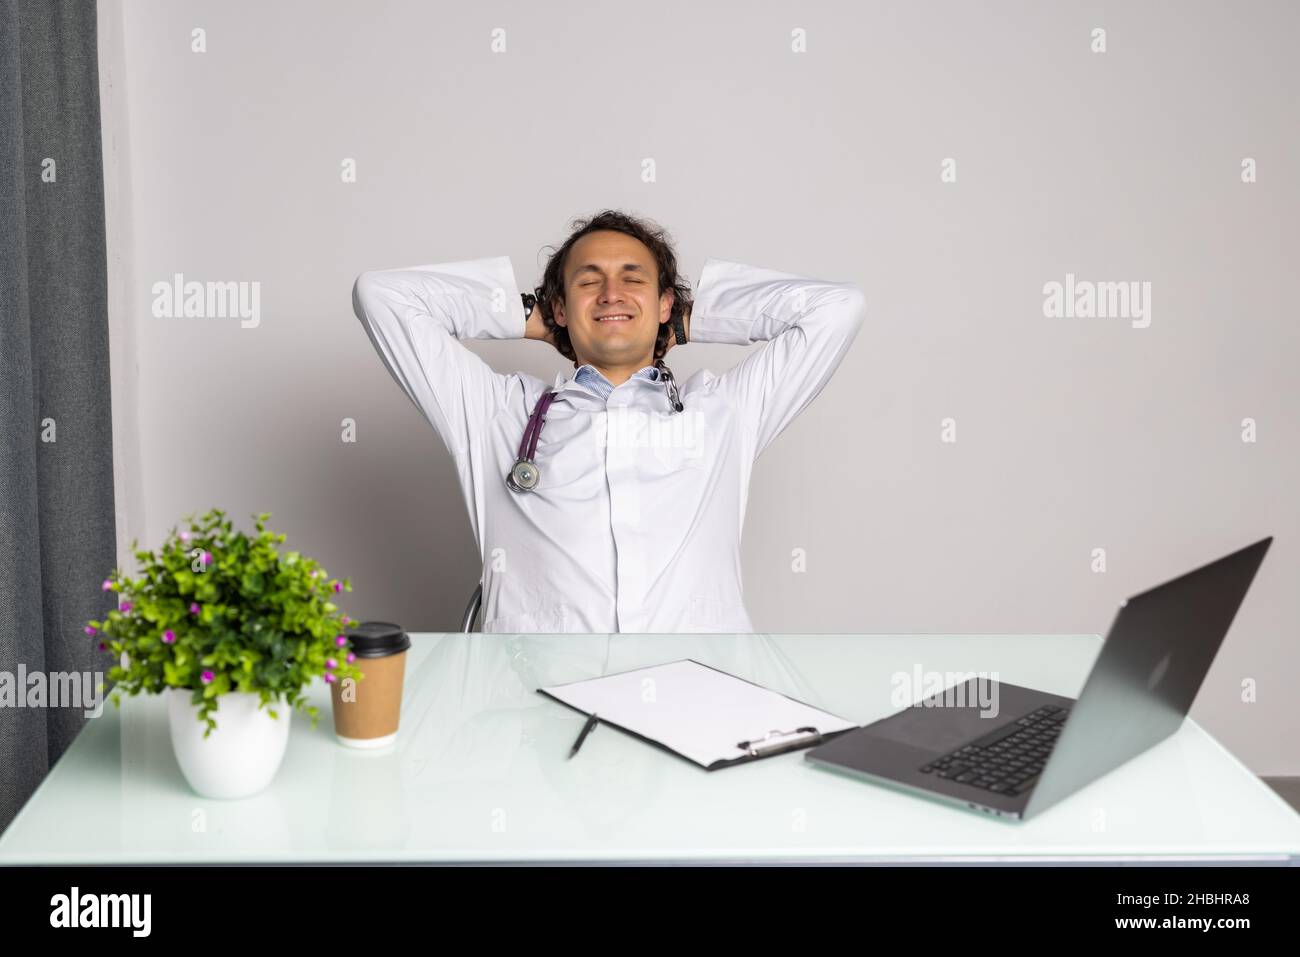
528,446
525,474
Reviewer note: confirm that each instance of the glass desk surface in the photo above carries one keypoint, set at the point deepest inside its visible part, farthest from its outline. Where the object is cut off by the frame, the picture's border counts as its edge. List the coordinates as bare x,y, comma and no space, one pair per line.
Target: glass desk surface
480,773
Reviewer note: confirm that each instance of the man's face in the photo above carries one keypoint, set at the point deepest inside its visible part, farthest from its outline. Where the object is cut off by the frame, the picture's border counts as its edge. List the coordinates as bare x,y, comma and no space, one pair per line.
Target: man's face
609,273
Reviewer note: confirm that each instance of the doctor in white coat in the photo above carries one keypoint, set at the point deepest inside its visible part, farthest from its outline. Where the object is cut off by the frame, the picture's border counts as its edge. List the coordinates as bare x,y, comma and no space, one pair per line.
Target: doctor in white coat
627,516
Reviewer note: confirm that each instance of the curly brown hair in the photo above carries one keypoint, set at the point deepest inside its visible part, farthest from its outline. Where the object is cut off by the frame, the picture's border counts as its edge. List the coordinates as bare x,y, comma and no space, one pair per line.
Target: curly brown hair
654,237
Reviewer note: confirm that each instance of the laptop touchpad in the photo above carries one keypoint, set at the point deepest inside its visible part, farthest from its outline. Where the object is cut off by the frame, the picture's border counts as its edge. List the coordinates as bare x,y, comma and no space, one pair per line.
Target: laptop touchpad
937,729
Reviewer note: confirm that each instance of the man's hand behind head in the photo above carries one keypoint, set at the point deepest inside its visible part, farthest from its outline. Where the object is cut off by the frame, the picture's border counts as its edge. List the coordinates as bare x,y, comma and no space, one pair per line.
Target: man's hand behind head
535,327
686,326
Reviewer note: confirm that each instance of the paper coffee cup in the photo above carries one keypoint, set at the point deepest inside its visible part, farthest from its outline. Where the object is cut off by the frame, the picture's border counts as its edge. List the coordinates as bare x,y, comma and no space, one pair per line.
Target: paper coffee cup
366,712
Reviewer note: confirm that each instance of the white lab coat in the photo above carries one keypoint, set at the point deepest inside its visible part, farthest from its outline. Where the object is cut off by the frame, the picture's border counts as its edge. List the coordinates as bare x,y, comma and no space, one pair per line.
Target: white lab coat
635,524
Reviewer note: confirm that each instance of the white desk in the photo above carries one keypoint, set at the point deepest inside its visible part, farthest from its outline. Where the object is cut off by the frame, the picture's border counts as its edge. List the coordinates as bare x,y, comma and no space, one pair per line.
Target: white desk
479,773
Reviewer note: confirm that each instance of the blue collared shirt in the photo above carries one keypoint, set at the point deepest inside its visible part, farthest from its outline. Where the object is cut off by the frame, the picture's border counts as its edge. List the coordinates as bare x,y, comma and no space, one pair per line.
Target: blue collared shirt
594,379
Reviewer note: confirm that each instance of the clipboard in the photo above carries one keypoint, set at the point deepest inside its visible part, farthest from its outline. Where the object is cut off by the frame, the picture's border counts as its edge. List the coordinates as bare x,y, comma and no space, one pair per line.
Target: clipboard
707,716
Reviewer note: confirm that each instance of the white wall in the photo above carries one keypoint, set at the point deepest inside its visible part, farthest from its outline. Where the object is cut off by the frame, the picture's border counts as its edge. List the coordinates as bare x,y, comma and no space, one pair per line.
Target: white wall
1073,434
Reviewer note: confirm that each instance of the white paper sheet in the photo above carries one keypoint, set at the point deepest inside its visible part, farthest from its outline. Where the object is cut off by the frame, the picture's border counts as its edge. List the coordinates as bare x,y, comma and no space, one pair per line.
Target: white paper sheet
695,710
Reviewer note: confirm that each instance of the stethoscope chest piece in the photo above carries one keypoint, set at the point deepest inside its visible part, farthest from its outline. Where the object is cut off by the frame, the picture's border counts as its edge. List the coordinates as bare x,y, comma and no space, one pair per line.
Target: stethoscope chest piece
524,476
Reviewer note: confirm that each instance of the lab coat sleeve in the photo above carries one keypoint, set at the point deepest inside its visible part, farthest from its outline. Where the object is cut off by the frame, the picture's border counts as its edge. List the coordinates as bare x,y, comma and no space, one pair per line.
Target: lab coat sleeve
415,317
809,325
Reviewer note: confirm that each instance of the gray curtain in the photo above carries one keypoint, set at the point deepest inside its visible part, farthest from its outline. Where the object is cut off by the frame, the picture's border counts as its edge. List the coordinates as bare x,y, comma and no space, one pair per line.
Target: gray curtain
57,535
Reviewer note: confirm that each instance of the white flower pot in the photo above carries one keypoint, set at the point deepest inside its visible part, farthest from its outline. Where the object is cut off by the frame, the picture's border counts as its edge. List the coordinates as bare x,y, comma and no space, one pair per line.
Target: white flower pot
241,756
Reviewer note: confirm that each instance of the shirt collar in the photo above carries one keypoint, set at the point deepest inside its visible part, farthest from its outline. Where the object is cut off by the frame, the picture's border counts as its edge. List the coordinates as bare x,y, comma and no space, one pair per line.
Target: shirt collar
573,381
645,372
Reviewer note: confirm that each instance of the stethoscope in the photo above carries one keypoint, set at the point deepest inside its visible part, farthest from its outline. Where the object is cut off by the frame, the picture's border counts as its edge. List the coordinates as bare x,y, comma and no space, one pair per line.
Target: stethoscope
525,474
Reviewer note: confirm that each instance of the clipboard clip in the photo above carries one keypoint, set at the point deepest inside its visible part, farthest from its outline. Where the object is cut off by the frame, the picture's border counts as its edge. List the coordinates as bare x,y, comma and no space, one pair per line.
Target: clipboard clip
776,741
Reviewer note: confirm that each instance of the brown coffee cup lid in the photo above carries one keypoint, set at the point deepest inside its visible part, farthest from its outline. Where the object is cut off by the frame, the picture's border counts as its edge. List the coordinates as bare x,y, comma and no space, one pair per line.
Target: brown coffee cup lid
377,639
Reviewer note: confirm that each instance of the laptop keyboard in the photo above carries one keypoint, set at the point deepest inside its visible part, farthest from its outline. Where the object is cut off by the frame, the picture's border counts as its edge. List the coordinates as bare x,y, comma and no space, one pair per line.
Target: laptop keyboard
1008,760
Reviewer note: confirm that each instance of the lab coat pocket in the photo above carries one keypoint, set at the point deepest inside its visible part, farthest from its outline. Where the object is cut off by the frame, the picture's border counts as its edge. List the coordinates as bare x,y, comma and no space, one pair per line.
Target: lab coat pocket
712,614
542,621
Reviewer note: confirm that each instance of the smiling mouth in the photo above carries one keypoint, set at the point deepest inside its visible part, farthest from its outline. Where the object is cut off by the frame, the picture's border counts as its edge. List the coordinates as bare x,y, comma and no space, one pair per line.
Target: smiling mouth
614,317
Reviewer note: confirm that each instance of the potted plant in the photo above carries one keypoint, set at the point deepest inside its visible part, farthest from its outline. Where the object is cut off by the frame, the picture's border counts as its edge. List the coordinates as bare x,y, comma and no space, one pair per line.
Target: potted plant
231,632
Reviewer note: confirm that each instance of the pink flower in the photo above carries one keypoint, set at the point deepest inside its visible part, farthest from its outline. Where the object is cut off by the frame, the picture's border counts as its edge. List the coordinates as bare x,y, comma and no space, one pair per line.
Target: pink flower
126,607
331,663
346,620
329,679
185,536
103,647
89,629
207,677
338,587
194,608
351,657
341,640
314,573
107,585
207,558
168,637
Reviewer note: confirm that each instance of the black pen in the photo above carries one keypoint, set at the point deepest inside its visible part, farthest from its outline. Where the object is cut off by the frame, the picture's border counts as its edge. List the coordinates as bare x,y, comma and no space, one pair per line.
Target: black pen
586,730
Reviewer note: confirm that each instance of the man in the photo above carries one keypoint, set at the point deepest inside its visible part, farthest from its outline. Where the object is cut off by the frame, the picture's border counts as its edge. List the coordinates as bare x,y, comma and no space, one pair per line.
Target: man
628,516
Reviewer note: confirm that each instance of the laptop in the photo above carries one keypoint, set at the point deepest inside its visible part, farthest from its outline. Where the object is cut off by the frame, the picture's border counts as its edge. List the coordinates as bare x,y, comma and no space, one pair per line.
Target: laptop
1043,747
